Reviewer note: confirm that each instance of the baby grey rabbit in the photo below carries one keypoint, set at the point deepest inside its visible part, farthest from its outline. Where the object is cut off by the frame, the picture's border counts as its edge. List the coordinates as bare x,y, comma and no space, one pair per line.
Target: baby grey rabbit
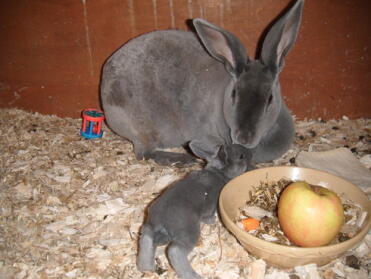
166,88
176,215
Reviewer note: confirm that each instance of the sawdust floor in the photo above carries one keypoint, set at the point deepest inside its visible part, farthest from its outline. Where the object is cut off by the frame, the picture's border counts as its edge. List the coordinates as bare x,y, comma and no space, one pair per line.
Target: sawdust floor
72,208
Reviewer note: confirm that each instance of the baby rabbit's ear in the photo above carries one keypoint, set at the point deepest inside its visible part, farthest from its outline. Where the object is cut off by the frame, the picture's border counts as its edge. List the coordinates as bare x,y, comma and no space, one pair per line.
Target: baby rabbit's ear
222,153
207,149
222,45
281,37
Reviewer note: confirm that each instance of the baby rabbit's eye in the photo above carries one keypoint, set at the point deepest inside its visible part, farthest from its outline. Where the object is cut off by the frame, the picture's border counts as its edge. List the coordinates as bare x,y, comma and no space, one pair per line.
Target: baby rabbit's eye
242,157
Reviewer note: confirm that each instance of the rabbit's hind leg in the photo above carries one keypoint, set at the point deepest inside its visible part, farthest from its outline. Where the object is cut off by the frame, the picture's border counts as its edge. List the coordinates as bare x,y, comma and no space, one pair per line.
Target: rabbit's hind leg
177,254
179,249
147,249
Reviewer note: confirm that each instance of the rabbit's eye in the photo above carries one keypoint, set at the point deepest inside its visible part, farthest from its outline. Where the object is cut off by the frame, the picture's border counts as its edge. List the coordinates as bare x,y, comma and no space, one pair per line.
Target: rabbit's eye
270,99
242,157
234,95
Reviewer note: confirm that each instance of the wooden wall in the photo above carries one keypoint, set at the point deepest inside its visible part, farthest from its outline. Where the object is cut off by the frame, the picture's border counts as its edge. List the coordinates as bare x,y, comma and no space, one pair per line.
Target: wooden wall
51,52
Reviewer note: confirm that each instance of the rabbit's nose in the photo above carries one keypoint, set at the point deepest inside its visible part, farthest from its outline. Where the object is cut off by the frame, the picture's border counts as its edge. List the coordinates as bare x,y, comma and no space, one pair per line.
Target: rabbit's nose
243,138
246,139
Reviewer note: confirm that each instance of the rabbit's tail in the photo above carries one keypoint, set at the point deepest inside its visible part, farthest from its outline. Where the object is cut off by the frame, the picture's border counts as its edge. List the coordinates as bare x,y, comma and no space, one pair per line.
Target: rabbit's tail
161,236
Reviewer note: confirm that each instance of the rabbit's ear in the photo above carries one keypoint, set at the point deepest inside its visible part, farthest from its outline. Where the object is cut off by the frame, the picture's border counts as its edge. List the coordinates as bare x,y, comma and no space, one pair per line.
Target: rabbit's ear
222,45
222,153
281,37
205,149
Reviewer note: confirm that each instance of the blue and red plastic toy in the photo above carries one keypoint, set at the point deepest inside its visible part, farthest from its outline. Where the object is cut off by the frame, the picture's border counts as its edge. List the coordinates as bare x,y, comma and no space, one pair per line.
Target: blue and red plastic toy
92,120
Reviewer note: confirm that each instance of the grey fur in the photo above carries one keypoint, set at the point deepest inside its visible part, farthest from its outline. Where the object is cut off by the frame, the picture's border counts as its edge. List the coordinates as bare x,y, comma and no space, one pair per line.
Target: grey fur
167,88
175,216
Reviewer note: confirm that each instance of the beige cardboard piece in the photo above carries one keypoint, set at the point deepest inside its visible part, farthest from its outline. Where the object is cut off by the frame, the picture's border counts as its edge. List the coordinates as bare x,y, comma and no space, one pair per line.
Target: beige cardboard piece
341,162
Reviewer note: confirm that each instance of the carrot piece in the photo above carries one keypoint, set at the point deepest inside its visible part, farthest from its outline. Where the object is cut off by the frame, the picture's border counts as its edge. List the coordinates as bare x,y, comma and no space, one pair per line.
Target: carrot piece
250,224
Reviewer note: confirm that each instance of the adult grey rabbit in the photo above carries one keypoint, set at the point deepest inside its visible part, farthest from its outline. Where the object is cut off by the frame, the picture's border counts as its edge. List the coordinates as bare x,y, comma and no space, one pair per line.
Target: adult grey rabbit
176,215
167,88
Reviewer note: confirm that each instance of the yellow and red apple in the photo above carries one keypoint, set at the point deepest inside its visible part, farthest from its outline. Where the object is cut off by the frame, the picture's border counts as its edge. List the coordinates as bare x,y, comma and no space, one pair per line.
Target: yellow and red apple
310,216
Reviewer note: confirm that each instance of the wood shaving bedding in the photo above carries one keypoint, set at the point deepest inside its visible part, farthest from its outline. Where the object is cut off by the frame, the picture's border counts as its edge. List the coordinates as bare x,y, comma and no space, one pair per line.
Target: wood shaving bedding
72,208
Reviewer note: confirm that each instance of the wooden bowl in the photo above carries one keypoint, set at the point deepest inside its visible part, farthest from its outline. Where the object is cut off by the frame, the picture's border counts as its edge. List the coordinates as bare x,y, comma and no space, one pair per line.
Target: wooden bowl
236,193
